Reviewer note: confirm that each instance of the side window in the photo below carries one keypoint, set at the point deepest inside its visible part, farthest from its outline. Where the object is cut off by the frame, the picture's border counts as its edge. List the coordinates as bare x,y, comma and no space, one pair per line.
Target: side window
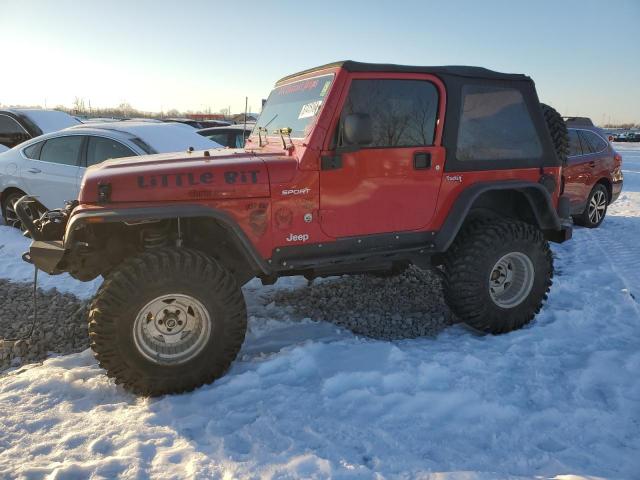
403,112
586,144
597,143
221,138
11,133
495,125
101,149
33,151
62,150
574,143
239,140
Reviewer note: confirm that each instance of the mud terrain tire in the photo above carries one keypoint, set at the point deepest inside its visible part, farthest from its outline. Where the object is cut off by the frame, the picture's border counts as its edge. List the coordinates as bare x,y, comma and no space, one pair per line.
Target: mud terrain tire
558,131
474,264
199,294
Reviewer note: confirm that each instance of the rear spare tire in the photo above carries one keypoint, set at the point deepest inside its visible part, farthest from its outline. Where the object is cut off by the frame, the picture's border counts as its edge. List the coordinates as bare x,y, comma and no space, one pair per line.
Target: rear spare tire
167,321
558,131
497,275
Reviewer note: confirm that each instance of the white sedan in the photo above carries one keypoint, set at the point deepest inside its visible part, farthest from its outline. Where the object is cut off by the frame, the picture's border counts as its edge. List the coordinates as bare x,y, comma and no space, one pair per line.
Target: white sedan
50,167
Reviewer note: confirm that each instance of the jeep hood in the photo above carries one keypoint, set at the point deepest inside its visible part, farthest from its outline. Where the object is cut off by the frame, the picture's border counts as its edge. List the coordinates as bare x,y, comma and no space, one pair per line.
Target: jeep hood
223,174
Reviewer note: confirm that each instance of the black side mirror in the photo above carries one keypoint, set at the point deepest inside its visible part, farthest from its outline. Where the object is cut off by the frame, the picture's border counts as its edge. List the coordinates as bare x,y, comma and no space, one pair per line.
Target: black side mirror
357,129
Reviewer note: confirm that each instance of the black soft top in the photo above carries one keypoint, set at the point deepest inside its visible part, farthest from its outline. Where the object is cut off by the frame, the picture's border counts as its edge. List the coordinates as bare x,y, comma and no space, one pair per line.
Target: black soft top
456,79
449,70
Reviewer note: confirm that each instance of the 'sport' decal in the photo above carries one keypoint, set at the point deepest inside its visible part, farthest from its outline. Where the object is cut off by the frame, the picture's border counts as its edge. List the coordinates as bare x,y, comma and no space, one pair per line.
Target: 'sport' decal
296,191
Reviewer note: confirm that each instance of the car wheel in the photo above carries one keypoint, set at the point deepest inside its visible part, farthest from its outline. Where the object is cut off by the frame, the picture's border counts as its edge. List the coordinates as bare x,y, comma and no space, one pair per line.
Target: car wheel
596,208
9,210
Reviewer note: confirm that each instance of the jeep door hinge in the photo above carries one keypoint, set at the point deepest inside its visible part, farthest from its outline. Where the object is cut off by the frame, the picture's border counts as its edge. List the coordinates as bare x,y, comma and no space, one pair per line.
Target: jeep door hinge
330,162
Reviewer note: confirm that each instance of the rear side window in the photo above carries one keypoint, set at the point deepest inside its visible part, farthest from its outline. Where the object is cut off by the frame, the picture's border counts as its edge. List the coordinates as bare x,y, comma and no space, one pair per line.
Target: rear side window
240,138
11,132
403,112
495,125
221,138
33,151
574,144
592,143
101,149
62,150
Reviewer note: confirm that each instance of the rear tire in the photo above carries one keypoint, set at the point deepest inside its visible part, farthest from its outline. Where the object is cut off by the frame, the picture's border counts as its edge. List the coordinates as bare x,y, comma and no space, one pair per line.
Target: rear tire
596,208
497,275
167,321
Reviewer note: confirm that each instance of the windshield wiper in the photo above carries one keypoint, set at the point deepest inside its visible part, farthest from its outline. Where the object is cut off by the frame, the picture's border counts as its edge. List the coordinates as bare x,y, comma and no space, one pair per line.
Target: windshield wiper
264,129
285,131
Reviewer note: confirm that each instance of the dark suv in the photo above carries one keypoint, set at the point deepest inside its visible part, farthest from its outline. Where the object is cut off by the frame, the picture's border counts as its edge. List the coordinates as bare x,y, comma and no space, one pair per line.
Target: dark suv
592,177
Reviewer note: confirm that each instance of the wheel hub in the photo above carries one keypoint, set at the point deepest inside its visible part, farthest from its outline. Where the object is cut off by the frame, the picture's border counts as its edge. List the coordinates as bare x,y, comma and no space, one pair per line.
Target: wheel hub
511,280
172,329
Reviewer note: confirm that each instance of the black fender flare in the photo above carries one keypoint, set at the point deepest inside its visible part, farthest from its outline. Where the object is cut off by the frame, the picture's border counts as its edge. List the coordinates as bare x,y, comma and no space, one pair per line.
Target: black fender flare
536,194
142,214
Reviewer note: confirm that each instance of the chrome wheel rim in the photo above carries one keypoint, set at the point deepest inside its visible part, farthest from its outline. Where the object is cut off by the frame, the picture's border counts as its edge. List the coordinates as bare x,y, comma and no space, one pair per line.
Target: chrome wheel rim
172,329
511,280
597,206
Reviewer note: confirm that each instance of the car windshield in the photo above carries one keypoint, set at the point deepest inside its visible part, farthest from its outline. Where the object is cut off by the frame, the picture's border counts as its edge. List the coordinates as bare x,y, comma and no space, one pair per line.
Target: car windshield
294,105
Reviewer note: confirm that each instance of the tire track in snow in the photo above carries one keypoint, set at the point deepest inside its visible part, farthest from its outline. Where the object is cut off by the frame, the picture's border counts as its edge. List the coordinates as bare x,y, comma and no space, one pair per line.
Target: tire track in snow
621,252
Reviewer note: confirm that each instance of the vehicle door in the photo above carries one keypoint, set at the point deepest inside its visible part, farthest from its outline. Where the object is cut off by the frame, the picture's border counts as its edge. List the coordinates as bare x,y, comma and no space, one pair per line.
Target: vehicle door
576,172
390,184
600,159
101,148
54,175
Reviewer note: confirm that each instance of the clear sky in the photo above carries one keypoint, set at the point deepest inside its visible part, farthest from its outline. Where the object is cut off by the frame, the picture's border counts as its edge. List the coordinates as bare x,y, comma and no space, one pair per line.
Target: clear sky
191,55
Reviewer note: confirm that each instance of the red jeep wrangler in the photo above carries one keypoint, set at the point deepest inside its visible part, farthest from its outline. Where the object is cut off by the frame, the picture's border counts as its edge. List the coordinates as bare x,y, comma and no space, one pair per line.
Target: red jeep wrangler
351,168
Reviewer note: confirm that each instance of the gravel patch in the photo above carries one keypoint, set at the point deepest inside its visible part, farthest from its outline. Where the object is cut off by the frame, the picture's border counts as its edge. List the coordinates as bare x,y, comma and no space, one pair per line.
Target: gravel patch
409,305
61,327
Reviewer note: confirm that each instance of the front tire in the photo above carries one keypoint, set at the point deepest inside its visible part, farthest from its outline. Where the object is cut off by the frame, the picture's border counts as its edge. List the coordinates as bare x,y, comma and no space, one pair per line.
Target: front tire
167,321
497,275
596,208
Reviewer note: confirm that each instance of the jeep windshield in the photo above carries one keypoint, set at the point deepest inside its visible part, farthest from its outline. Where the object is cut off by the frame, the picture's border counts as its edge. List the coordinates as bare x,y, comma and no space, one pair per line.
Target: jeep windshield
294,105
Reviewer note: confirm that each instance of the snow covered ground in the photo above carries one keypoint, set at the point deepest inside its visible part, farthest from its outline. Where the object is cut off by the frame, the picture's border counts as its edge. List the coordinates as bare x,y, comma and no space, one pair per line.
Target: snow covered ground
304,399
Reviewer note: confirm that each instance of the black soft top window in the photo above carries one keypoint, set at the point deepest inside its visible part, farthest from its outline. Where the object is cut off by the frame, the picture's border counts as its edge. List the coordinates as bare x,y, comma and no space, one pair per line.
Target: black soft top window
495,125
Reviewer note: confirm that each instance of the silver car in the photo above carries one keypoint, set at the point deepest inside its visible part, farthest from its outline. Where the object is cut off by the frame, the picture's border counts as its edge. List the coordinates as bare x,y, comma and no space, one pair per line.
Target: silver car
50,167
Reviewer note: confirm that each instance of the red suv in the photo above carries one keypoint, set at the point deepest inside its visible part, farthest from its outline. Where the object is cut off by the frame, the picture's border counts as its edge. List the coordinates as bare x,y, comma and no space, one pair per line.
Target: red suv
592,177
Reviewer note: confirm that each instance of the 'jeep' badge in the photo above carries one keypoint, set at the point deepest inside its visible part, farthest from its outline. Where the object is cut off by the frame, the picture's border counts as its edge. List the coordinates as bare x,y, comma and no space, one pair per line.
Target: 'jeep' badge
454,178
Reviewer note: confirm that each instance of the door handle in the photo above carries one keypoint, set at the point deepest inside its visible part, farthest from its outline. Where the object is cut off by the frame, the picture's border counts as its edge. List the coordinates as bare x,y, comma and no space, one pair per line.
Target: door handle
592,164
34,170
421,160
